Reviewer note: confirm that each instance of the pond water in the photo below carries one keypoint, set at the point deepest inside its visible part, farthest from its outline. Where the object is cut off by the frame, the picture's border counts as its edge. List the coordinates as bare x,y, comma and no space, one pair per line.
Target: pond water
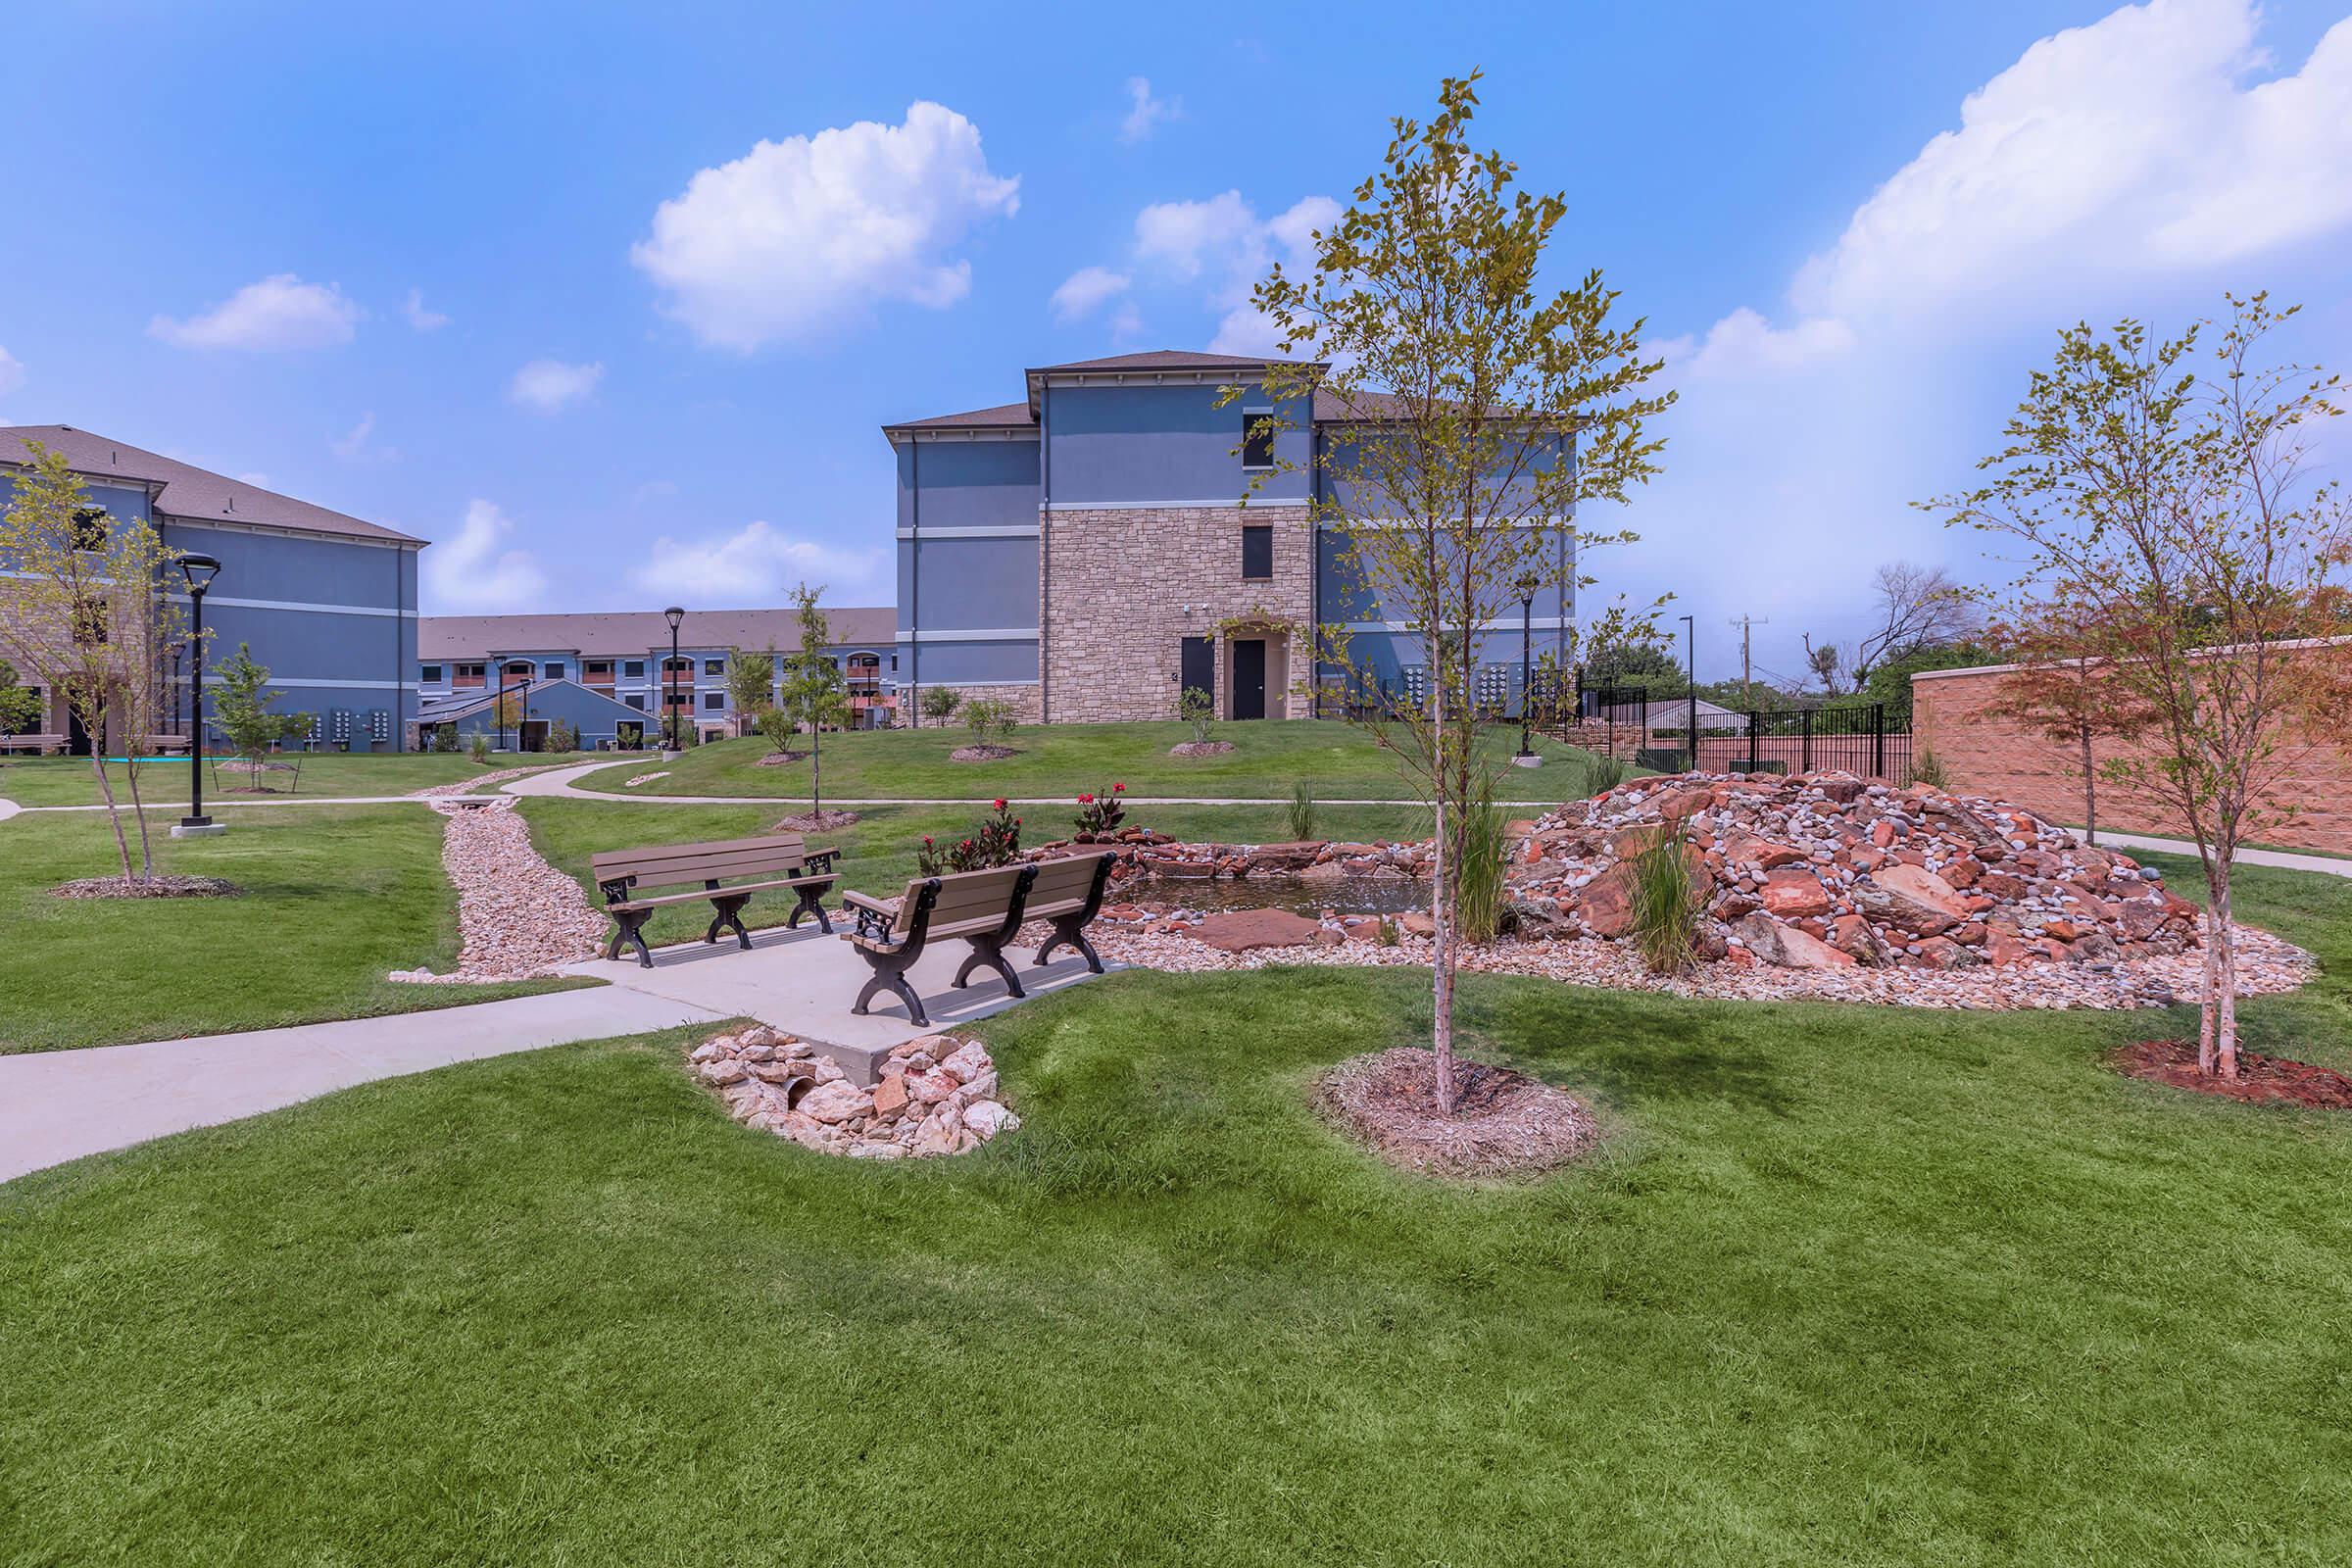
1347,895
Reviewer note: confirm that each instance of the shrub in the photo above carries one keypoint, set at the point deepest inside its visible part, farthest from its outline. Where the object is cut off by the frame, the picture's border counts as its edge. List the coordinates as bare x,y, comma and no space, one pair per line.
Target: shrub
989,720
1199,710
1101,813
996,840
563,736
1602,773
479,747
779,726
1302,812
445,738
1665,906
1388,932
1479,878
940,701
1927,770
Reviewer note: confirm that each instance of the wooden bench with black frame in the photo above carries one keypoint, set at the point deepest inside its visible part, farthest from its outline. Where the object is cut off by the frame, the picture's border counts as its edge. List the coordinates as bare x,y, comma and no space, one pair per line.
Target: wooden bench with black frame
985,909
619,873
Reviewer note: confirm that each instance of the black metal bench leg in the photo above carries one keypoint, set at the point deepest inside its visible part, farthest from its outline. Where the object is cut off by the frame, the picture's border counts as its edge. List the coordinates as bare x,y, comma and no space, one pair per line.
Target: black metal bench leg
892,980
729,917
990,953
628,925
1068,932
811,903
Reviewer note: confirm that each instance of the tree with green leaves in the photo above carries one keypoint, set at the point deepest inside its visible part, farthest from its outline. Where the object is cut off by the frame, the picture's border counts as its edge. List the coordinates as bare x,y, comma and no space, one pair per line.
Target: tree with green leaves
2171,504
245,710
86,609
751,687
20,706
1472,414
815,693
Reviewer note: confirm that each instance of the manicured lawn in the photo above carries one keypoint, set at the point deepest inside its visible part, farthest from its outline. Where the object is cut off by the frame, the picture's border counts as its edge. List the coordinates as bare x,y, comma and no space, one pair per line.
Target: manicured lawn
1849,1286
335,897
1269,758
68,780
879,849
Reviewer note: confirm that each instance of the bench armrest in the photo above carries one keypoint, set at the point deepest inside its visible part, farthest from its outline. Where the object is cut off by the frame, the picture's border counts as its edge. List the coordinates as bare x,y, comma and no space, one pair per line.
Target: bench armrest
822,862
874,917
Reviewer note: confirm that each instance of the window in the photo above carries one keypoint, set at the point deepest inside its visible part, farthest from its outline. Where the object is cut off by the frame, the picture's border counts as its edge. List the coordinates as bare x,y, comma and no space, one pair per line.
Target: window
636,699
89,622
1257,551
1258,438
430,674
715,666
633,669
714,700
598,669
468,675
554,670
518,667
90,528
678,666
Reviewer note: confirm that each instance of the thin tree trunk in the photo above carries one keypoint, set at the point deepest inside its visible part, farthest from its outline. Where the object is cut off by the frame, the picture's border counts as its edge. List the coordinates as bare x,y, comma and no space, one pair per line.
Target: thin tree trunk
2208,1005
1441,912
2090,793
817,773
2226,965
138,812
113,814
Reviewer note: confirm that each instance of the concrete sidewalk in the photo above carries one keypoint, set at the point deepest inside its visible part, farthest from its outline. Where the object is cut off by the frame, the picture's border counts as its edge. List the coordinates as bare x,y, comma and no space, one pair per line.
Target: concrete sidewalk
58,1105
2286,860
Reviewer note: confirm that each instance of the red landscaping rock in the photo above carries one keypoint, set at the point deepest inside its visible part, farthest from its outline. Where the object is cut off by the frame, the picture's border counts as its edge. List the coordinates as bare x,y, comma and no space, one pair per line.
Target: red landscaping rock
1242,930
1791,894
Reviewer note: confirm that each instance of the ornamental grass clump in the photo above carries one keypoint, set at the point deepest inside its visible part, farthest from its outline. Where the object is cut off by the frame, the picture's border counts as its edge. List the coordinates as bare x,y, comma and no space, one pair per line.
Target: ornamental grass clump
1303,812
1666,905
1602,773
1485,850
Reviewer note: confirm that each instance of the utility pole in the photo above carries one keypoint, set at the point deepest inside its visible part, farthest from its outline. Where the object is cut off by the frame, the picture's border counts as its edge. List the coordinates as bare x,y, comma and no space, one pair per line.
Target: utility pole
1747,686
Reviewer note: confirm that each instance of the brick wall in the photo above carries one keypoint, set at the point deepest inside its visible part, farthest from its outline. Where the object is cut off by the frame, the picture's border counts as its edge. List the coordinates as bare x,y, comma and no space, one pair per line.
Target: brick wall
1985,754
1122,590
1023,698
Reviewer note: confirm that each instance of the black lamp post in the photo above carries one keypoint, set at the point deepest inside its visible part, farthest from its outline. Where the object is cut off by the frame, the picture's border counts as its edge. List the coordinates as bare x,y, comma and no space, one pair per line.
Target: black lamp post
199,570
669,675
1690,682
1527,586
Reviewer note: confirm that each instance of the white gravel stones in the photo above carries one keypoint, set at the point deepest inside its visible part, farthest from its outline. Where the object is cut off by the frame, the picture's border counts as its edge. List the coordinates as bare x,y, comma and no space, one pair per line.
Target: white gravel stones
644,778
518,918
466,786
937,1096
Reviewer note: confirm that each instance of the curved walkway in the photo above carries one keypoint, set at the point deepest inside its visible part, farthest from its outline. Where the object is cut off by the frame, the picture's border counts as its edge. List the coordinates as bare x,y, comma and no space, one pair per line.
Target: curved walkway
2286,860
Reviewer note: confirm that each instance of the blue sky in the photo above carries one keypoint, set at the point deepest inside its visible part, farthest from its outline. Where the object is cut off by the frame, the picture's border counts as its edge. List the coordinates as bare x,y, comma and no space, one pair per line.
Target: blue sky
526,281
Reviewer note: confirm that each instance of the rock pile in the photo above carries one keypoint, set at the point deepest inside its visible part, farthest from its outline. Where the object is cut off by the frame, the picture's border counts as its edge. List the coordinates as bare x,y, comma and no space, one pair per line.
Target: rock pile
937,1094
518,918
1823,871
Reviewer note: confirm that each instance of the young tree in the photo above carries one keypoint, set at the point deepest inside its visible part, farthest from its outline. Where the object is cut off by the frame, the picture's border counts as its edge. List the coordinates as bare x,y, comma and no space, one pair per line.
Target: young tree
815,693
2063,694
86,610
1476,418
20,708
751,687
939,702
2178,497
245,710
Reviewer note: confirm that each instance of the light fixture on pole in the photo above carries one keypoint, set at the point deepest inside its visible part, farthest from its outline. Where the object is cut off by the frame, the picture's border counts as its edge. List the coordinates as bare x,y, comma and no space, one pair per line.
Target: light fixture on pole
670,676
1527,586
199,570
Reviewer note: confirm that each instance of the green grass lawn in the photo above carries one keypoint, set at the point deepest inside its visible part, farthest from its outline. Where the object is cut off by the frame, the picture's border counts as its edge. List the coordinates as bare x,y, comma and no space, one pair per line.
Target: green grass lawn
1849,1285
878,852
68,780
1269,760
335,897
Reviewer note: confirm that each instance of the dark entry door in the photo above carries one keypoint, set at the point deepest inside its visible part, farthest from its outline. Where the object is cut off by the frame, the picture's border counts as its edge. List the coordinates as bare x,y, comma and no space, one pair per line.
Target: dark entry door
1249,678
1198,668
77,734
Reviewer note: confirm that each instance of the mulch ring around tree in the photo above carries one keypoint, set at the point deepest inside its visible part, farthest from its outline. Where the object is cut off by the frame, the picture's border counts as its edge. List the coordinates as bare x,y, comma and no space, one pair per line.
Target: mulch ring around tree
781,758
148,887
2263,1080
1201,749
979,754
1504,1122
816,822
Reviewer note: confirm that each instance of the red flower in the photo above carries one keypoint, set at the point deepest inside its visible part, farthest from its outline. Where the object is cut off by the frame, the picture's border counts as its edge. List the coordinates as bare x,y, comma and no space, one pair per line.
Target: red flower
926,837
1119,789
1000,806
1086,800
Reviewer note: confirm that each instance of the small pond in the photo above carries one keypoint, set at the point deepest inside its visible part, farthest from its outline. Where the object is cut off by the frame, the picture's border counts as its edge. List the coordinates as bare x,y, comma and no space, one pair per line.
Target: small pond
1347,895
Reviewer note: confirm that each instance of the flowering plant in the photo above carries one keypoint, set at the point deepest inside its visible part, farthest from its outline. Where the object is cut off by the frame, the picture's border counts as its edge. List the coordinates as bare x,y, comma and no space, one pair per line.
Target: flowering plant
995,841
1101,812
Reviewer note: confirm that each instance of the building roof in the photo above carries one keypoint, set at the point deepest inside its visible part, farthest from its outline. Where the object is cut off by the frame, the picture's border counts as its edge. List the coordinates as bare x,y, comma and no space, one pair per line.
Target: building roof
1004,415
442,709
185,490
1328,410
1156,359
629,633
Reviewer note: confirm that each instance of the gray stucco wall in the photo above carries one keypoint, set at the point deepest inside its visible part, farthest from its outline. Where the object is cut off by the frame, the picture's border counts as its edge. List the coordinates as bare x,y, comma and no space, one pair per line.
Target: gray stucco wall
969,484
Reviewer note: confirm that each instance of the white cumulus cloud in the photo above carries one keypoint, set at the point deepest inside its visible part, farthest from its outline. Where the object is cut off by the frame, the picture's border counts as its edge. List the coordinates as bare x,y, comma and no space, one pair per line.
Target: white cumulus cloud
480,570
547,386
1223,242
1144,111
1085,289
352,445
422,319
796,235
1743,345
12,372
755,564
279,312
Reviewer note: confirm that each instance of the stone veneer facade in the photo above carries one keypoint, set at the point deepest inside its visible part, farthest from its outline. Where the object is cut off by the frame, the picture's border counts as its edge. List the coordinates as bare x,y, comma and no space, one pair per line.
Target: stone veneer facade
1023,697
1123,587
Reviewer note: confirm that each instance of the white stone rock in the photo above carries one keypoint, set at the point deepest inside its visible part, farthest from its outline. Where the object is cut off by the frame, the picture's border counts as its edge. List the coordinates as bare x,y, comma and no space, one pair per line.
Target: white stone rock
835,1102
988,1117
